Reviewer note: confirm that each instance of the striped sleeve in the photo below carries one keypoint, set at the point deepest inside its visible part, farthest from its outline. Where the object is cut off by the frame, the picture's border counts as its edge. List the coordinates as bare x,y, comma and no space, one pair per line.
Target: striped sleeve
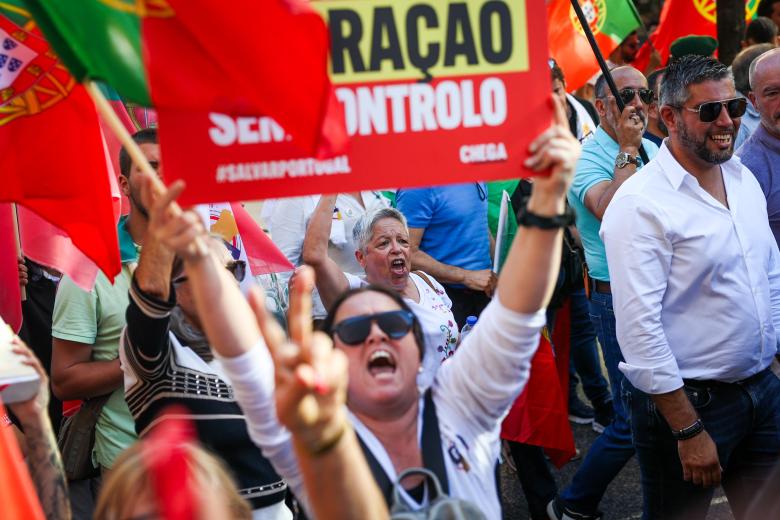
146,340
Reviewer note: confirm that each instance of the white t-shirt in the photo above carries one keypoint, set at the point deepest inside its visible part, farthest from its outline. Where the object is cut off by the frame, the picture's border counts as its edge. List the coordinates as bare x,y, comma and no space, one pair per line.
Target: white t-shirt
436,319
287,220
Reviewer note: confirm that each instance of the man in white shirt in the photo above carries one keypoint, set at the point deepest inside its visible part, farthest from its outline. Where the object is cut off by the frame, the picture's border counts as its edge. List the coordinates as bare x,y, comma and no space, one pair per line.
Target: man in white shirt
695,278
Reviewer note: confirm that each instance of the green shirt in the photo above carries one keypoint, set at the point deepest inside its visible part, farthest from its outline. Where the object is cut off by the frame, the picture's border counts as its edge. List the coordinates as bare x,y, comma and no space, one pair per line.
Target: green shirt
96,318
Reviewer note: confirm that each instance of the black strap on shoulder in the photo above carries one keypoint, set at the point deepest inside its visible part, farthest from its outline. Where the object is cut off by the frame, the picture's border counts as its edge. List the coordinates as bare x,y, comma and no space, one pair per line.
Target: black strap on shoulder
381,478
433,458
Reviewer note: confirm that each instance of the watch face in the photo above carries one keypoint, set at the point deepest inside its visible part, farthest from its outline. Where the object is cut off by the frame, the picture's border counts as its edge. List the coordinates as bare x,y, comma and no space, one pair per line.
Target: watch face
623,159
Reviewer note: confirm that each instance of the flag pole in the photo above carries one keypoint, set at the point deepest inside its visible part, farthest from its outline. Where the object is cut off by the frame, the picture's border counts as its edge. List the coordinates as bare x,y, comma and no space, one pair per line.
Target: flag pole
133,150
18,242
604,69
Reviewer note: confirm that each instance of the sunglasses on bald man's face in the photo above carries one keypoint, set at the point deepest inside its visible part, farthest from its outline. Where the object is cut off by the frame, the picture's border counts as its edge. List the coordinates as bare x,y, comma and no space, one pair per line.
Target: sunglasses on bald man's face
710,111
645,95
354,331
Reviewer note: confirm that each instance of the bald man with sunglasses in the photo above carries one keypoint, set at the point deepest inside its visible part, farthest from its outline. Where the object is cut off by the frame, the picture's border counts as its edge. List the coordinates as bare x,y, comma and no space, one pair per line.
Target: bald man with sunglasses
696,287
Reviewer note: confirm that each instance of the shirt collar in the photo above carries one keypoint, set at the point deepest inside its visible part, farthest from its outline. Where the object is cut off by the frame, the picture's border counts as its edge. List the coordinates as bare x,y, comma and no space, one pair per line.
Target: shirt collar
676,174
128,251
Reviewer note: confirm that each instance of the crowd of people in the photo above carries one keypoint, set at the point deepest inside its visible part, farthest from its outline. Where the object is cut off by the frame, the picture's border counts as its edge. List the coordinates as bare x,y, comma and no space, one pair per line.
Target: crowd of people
384,386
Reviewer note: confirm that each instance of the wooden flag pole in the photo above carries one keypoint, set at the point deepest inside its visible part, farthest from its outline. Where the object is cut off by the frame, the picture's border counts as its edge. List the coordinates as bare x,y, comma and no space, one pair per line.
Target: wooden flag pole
110,117
134,151
18,241
604,69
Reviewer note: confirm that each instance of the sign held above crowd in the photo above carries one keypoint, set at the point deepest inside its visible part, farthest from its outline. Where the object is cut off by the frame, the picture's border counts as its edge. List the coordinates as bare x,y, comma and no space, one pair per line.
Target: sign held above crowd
431,92
250,106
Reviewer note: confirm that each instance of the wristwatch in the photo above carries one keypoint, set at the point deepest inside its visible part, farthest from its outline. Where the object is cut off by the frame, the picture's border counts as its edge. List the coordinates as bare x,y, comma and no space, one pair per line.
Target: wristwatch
623,159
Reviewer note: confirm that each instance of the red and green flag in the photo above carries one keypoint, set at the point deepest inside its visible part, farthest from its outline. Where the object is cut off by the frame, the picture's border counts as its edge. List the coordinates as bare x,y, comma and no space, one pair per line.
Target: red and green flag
243,57
609,20
52,155
682,18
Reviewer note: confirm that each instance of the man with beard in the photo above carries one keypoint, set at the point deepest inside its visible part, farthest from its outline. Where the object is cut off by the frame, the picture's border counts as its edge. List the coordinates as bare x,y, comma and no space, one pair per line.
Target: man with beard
607,160
696,288
86,329
761,152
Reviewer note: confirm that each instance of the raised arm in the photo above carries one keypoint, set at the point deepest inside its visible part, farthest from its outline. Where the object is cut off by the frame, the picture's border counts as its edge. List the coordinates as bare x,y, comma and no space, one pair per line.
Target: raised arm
331,281
309,399
150,303
629,136
311,392
493,363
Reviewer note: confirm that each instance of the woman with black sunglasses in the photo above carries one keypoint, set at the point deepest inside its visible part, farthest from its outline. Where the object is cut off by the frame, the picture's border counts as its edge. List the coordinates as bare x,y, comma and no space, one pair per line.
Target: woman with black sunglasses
378,343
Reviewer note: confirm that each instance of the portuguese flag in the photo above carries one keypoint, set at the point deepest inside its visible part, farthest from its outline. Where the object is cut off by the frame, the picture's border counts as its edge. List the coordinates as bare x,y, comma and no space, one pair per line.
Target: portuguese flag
52,155
243,57
609,20
682,18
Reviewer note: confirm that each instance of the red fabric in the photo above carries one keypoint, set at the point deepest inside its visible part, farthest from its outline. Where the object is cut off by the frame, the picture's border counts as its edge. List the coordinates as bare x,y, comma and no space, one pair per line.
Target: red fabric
53,163
264,257
570,48
679,18
540,415
10,294
685,20
49,245
17,494
166,458
69,408
267,57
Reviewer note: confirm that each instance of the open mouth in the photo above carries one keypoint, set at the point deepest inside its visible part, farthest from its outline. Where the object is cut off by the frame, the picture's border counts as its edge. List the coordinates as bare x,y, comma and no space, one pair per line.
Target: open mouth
722,140
381,362
398,266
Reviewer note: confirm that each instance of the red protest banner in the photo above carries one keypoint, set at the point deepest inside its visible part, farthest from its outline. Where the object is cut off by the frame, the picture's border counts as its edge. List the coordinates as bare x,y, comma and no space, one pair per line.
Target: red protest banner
432,92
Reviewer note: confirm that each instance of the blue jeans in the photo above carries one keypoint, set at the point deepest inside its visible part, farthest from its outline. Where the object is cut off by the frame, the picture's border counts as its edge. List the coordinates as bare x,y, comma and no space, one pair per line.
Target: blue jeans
584,354
743,420
613,448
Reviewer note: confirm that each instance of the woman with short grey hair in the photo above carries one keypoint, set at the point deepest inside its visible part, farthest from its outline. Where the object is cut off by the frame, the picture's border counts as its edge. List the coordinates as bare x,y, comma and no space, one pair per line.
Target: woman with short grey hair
384,252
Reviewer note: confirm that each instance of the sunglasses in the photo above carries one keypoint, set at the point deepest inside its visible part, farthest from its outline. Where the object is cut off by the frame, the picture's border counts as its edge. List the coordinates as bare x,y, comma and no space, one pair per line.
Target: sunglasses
645,95
354,331
236,267
709,112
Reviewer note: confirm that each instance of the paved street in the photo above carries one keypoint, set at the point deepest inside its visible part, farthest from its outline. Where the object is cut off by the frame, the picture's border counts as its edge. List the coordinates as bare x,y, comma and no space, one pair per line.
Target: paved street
623,500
